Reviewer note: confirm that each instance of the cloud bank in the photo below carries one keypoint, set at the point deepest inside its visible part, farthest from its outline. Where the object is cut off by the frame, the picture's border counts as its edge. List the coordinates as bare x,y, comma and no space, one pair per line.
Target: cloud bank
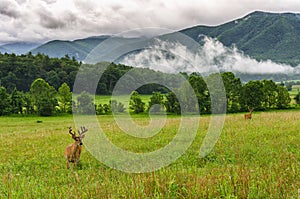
43,20
213,56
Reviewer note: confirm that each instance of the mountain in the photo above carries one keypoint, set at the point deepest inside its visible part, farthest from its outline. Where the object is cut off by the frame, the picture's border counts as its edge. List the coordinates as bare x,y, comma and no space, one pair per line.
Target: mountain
19,47
3,50
77,48
261,35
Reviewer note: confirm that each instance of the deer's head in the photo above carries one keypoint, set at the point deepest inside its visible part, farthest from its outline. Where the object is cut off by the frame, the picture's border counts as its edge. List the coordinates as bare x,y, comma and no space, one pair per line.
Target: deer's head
81,134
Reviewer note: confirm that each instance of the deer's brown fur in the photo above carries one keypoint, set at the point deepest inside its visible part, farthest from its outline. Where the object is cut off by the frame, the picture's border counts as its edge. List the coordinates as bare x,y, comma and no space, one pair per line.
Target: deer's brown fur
249,116
73,151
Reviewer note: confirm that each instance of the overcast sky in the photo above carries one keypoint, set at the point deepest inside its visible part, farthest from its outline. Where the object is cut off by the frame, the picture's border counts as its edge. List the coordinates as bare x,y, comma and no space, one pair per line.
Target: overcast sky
44,20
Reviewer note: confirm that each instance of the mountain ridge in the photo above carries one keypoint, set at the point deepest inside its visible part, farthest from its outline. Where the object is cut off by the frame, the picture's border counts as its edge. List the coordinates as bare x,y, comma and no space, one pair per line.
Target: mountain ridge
18,47
261,35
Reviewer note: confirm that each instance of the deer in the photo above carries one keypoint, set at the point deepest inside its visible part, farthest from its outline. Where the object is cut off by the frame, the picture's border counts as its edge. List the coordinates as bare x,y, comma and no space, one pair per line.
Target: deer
73,151
249,115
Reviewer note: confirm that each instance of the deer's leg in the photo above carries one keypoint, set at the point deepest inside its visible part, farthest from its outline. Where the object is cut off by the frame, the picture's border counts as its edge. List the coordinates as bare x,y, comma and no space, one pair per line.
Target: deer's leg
69,163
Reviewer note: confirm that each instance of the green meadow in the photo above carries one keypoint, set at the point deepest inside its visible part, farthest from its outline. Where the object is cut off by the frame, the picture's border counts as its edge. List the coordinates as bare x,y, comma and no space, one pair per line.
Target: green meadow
124,99
252,159
295,90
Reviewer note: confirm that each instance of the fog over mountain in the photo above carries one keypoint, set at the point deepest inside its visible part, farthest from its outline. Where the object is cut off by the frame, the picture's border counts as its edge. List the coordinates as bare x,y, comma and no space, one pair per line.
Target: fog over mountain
213,56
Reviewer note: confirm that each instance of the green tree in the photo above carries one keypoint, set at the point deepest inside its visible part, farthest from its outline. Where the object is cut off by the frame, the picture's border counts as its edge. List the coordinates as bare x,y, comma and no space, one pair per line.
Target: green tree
289,86
283,98
121,107
136,104
172,104
252,95
43,97
233,88
217,93
107,108
201,91
270,94
85,103
28,103
17,101
156,103
5,107
65,98
188,103
99,109
116,107
52,78
10,81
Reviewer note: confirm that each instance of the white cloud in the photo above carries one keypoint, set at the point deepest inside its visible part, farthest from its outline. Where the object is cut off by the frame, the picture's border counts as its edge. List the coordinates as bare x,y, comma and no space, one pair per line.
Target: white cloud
71,19
213,56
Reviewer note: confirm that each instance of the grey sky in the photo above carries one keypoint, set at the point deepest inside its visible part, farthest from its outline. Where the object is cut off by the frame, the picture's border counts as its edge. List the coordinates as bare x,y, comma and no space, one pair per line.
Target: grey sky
43,20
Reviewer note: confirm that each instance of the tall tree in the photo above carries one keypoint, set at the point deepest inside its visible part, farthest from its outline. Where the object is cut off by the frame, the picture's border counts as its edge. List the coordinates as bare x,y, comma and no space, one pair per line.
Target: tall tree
172,104
4,102
17,101
156,103
283,99
85,103
270,94
136,104
233,88
65,98
201,91
252,95
43,97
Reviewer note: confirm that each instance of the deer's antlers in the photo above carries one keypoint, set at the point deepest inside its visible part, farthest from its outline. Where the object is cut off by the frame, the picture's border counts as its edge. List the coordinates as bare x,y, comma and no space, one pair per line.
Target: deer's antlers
82,131
73,134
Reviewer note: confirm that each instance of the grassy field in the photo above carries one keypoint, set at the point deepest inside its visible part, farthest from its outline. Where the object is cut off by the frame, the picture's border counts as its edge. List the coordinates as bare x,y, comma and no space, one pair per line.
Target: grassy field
104,99
295,90
252,159
124,99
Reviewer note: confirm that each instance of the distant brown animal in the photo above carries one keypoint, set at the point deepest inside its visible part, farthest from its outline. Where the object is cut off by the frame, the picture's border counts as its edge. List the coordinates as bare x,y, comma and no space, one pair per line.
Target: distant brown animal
73,151
249,116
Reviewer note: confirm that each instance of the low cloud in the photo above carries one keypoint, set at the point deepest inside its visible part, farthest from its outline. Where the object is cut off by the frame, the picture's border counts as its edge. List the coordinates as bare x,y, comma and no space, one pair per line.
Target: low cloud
213,56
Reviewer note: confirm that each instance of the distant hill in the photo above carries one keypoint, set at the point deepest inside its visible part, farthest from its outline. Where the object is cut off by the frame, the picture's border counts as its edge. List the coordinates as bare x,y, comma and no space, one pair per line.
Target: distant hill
3,50
77,48
19,47
261,35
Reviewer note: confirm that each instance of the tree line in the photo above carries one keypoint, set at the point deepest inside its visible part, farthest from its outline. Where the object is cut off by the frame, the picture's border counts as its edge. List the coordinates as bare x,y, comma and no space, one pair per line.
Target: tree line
257,94
19,71
43,99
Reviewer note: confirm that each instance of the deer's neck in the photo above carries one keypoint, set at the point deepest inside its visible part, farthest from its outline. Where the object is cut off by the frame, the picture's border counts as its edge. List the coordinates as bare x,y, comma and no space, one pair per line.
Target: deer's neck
76,148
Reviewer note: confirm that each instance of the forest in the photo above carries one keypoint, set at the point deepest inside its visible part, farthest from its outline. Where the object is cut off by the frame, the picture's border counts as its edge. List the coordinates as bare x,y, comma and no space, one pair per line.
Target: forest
37,84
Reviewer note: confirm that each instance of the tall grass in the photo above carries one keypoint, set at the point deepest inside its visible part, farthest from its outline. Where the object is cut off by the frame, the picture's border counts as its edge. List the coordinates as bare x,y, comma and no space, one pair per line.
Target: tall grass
252,159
